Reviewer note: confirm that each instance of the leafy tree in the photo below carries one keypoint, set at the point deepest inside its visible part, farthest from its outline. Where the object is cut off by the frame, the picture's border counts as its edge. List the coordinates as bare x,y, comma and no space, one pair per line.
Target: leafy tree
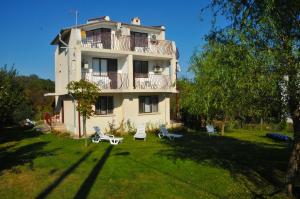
272,29
10,95
229,81
86,94
34,90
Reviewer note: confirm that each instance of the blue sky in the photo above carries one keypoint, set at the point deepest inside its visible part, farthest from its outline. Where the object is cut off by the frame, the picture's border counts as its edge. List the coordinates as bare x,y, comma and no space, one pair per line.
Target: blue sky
27,27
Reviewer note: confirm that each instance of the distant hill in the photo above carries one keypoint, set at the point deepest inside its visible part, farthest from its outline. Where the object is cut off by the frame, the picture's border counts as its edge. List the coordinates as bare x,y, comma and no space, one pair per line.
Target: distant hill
34,90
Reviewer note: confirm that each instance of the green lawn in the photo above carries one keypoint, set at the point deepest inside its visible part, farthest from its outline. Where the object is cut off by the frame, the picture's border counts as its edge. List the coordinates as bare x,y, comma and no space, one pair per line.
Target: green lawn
239,165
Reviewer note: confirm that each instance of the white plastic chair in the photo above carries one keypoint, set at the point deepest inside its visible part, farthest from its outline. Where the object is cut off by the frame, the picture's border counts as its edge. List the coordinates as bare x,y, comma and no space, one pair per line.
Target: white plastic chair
101,136
140,133
210,129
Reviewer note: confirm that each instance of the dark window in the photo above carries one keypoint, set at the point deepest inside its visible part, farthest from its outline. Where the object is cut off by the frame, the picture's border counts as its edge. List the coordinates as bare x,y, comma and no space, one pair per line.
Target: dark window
140,69
148,104
104,105
101,35
139,39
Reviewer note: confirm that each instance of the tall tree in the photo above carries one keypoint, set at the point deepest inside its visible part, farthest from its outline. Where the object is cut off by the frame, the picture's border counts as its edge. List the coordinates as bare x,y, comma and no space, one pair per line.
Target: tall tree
230,82
86,94
273,27
10,95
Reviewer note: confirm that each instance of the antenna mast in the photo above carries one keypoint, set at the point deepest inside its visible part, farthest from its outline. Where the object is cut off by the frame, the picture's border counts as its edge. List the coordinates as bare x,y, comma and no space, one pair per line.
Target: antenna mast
76,18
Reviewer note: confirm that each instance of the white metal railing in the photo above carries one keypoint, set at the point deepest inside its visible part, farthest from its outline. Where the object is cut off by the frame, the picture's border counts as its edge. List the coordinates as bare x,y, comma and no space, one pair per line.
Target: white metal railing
129,43
110,80
152,81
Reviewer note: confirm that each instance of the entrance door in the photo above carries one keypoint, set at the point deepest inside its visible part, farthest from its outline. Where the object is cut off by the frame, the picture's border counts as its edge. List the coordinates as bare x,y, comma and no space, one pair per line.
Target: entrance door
112,72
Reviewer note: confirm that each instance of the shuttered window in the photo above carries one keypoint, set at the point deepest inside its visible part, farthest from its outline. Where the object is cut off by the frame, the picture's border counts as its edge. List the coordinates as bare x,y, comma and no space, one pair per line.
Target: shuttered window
104,105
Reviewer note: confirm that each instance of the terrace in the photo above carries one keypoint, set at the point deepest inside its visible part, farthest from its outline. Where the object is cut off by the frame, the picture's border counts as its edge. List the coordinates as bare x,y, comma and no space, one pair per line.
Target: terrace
129,44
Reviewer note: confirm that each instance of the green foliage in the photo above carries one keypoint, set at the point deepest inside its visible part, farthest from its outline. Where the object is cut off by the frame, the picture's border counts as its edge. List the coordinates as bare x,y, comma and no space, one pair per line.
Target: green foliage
86,94
10,95
34,90
130,127
22,97
272,29
230,82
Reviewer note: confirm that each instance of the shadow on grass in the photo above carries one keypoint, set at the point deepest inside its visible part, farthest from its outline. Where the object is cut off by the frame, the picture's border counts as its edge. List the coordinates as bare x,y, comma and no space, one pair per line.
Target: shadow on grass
17,134
262,164
67,172
151,167
22,155
90,180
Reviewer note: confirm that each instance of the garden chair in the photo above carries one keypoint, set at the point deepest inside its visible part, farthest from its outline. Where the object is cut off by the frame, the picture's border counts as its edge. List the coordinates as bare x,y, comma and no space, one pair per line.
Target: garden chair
140,133
99,136
210,129
163,132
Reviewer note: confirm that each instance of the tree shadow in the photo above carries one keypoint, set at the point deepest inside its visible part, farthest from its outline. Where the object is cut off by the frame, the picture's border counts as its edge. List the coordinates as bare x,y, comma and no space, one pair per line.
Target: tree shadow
90,180
67,172
22,155
17,134
262,164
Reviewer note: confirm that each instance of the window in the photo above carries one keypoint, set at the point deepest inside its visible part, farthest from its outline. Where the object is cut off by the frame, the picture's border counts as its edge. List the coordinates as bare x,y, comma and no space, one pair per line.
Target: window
139,39
100,66
140,69
101,35
148,104
104,105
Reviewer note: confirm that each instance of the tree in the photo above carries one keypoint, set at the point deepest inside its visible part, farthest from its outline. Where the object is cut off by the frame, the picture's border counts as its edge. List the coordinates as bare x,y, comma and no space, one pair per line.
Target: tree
86,94
230,82
10,95
34,90
272,27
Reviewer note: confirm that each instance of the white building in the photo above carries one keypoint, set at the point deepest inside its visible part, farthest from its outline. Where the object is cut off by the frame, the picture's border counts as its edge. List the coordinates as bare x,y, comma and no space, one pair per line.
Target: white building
134,66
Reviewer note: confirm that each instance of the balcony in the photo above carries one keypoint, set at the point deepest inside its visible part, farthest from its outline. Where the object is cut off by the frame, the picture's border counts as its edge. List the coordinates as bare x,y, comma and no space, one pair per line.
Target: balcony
144,81
111,80
129,43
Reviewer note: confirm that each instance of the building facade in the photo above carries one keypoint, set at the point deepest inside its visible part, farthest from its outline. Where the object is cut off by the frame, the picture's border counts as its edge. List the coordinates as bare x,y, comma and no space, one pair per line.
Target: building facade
133,65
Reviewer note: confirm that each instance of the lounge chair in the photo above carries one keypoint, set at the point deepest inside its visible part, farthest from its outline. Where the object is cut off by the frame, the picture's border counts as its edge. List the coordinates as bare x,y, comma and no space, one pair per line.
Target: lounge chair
99,136
163,132
140,133
210,129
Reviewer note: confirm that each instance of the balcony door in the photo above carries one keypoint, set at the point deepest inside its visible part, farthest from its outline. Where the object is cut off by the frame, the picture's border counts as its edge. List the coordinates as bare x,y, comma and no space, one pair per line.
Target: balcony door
138,39
140,70
106,37
112,72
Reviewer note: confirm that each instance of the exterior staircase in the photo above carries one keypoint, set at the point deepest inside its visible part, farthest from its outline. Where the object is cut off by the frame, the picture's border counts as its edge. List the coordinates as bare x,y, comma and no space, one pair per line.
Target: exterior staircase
58,126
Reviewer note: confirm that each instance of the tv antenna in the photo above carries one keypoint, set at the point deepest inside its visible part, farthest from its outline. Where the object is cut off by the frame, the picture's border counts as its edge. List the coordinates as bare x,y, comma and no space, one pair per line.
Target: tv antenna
76,17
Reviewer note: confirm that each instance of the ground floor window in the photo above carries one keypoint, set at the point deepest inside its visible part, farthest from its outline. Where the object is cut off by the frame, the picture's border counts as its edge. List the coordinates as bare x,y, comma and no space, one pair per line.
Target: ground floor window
104,105
148,104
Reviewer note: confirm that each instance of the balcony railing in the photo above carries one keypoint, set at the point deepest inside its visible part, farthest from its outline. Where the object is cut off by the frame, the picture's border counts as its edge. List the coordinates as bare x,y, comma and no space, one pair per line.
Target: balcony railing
110,80
152,81
129,43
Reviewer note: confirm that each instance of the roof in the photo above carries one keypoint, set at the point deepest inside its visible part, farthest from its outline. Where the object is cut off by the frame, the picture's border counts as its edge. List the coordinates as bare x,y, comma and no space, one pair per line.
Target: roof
64,33
101,21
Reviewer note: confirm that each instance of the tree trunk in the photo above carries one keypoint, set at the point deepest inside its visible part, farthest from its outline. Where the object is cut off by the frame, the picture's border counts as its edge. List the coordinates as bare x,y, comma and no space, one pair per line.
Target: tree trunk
223,128
84,130
294,158
261,124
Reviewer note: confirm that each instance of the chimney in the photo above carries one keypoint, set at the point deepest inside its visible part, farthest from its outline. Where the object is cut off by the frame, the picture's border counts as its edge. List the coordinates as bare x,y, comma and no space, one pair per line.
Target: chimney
136,21
103,18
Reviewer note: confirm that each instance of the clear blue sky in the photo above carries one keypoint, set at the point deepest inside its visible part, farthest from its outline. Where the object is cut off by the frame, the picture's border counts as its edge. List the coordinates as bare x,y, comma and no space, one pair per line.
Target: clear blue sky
27,27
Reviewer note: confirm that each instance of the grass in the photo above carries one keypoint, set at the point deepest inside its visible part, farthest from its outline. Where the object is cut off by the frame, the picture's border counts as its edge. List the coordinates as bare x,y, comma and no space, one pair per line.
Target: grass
242,164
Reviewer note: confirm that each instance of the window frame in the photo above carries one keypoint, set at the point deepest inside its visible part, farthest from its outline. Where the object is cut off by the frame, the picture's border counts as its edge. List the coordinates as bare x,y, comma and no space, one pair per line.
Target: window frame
154,103
108,105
